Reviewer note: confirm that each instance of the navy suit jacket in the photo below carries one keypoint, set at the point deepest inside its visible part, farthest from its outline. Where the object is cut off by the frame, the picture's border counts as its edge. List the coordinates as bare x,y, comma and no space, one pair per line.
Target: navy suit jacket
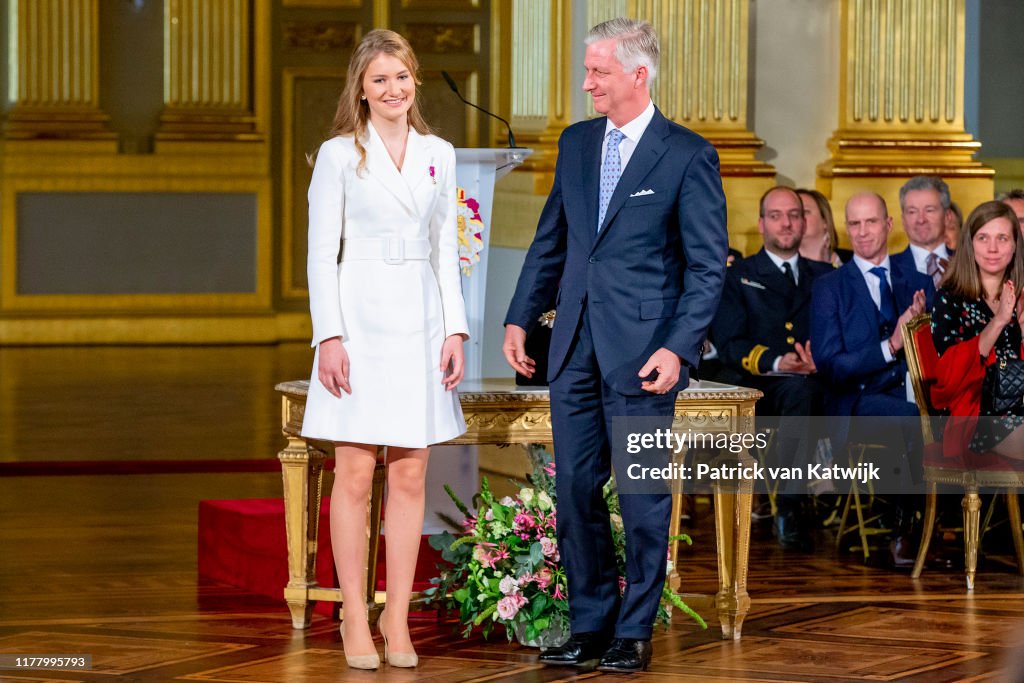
846,333
904,260
653,275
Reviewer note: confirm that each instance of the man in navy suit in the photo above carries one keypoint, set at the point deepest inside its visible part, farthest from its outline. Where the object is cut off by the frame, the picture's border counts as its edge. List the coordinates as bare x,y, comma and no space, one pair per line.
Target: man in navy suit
633,237
857,313
925,205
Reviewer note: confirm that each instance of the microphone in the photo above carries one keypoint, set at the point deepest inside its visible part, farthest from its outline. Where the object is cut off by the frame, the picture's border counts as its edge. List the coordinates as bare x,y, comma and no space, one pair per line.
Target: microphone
455,89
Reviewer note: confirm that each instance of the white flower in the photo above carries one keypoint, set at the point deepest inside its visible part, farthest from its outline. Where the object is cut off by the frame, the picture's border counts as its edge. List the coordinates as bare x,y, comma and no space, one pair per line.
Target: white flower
526,495
489,515
544,501
507,501
508,585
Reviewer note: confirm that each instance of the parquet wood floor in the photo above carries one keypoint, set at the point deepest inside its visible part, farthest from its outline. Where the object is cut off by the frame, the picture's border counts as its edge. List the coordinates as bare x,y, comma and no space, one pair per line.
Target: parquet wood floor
100,559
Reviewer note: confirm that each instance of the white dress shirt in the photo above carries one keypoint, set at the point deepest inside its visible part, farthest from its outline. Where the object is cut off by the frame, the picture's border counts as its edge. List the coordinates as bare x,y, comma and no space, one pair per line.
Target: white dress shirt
921,256
778,261
792,261
631,134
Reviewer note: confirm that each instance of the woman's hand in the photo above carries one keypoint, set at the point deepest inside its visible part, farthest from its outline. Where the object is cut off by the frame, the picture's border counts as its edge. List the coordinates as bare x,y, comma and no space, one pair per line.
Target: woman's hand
333,367
1007,303
453,362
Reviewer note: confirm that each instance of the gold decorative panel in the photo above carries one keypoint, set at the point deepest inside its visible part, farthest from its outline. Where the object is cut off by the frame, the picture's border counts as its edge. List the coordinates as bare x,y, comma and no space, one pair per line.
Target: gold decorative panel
444,38
322,36
440,4
325,4
309,99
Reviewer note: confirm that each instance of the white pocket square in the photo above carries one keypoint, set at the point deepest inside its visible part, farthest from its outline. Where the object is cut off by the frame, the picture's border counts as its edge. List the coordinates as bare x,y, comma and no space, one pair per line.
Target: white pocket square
751,283
642,193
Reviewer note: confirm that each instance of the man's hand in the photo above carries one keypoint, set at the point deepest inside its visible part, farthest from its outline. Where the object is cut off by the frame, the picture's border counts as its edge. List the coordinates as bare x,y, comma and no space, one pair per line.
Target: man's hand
915,308
333,367
667,364
514,349
799,362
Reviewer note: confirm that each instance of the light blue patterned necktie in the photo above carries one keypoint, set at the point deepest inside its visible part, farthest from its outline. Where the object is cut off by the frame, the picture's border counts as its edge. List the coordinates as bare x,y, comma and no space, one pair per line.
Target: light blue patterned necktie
611,169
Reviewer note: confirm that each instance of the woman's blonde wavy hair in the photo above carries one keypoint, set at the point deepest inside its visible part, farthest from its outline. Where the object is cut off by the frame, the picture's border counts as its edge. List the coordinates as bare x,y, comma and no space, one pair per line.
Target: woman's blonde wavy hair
353,111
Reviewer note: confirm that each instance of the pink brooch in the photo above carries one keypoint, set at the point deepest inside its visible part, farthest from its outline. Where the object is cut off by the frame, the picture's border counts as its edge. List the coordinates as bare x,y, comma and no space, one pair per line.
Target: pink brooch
433,178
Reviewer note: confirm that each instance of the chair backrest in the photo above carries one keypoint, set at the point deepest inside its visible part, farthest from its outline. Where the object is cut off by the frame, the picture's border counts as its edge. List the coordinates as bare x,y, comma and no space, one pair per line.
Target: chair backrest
922,362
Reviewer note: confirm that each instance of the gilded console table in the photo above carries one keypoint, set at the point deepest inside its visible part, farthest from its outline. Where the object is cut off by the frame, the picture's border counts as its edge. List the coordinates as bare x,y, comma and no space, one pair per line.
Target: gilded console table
498,412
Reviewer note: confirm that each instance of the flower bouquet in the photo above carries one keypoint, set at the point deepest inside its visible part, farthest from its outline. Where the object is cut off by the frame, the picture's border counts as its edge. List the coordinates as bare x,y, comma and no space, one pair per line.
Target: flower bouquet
504,567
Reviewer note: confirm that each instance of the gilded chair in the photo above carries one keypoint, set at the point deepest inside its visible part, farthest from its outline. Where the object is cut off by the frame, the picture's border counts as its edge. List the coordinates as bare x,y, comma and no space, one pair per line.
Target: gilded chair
970,471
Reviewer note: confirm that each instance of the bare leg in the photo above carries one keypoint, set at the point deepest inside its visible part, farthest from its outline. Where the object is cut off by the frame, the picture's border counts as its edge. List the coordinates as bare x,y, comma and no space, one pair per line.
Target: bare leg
403,527
353,480
1012,446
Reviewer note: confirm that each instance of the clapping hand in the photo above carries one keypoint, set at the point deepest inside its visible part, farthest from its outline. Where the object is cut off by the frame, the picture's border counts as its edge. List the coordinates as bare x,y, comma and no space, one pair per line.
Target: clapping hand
798,362
1007,303
915,308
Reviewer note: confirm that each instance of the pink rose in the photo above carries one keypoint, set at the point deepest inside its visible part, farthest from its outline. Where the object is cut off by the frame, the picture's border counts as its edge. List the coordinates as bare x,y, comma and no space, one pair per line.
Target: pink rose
508,607
549,547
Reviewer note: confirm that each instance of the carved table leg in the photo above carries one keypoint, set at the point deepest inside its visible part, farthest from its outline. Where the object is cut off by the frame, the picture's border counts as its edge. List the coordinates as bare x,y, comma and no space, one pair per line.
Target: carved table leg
732,532
972,524
302,469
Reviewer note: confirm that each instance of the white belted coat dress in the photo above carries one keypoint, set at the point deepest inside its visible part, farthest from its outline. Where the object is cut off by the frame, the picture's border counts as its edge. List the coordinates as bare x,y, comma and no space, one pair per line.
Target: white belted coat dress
383,272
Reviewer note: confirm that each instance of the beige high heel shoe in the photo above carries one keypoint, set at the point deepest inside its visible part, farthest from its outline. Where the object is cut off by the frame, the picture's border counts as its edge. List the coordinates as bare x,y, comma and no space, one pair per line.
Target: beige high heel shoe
406,660
359,661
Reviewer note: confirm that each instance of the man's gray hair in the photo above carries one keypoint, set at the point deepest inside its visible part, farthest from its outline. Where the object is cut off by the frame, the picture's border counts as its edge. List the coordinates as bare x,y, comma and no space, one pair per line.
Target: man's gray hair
636,43
926,182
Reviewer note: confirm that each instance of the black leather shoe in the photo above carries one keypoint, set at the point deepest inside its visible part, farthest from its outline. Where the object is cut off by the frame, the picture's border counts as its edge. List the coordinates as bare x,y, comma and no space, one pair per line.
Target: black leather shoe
627,654
582,649
903,552
793,533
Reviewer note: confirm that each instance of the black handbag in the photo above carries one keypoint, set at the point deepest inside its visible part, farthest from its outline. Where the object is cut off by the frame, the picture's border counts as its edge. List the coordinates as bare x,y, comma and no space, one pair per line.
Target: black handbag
1003,387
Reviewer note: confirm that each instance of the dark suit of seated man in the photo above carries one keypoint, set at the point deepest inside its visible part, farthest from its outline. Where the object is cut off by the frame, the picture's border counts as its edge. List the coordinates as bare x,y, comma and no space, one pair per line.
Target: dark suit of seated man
762,328
856,318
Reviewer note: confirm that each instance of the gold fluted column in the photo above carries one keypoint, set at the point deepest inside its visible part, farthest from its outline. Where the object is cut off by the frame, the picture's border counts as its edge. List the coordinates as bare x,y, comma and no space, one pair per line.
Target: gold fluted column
533,86
702,84
901,103
53,70
207,75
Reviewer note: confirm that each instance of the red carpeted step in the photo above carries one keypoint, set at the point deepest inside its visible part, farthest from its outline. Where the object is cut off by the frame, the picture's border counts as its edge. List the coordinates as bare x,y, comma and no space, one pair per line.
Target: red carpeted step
242,543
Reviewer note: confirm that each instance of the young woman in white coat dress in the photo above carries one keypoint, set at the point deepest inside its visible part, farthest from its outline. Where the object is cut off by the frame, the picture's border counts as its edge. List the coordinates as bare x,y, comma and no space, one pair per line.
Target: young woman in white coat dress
388,324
